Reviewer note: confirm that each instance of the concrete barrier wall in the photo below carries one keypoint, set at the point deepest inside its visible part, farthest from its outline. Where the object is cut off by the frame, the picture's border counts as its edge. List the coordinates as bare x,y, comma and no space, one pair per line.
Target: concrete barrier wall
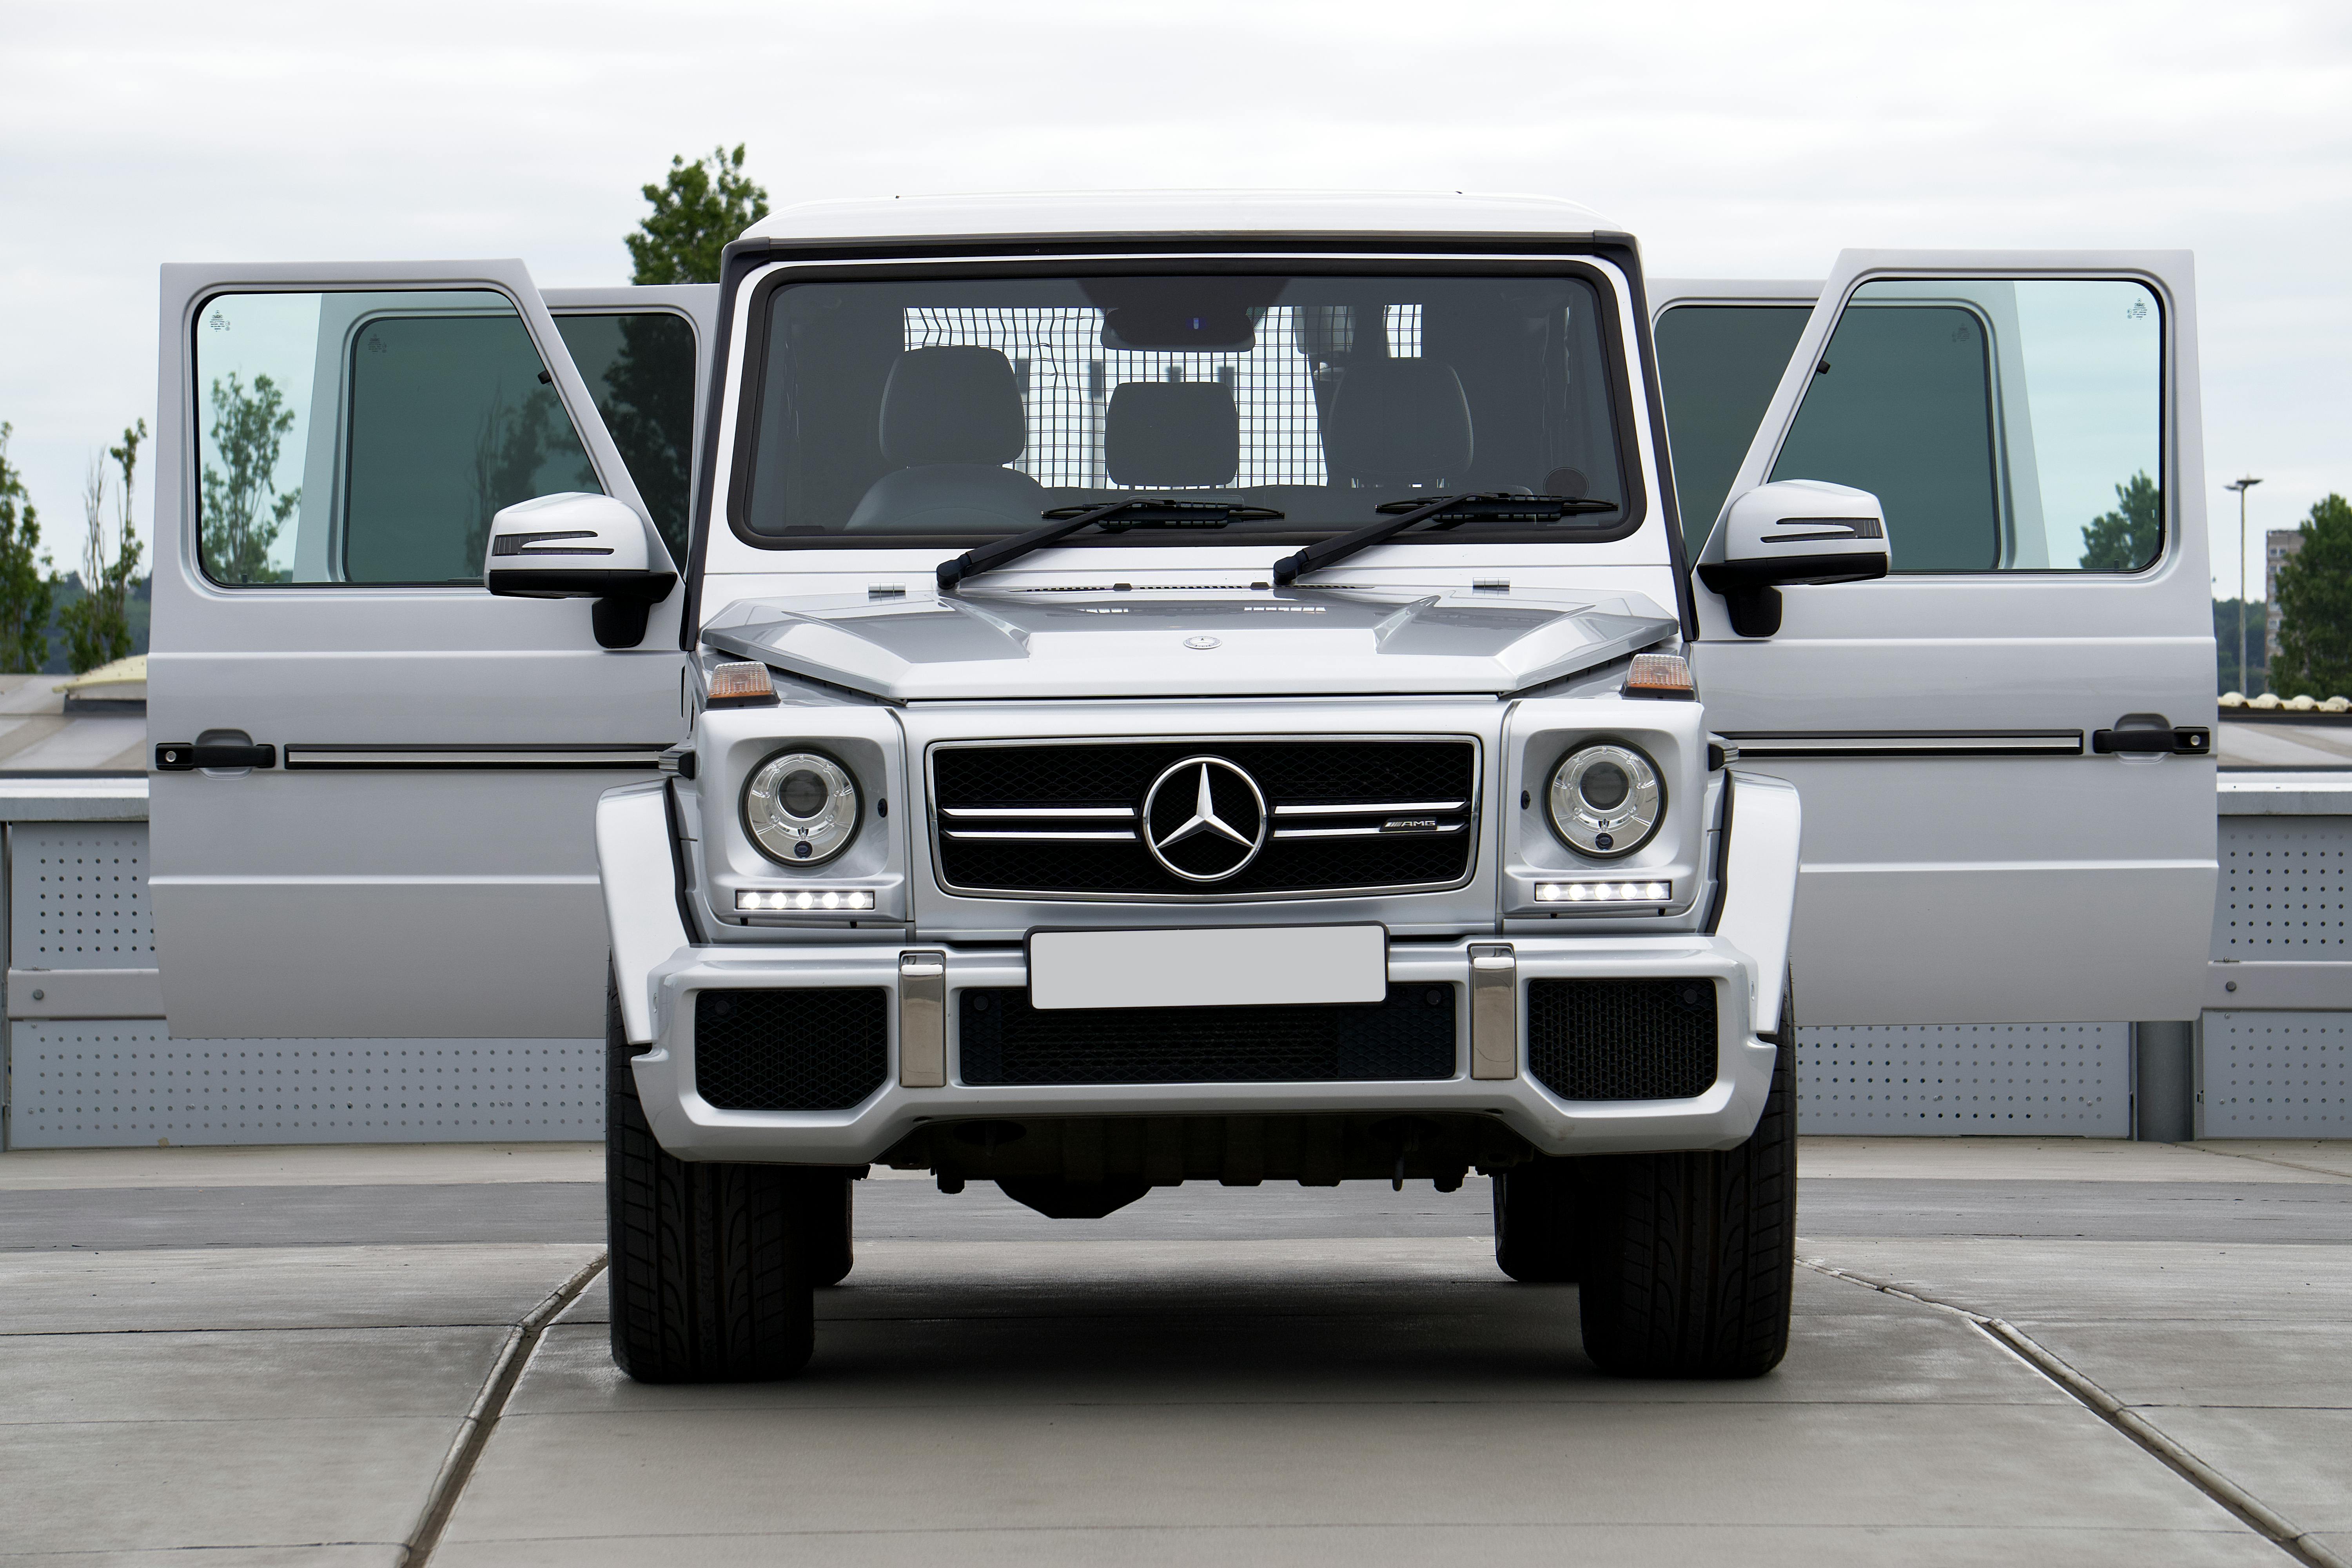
89,1062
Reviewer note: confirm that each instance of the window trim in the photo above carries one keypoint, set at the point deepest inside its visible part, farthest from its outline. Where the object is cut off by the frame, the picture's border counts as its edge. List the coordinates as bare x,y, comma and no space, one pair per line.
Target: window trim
195,435
746,384
2167,514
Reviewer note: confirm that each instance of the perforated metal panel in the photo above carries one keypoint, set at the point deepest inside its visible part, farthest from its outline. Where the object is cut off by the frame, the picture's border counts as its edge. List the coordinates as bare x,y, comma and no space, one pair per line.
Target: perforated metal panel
2287,888
78,896
78,899
2275,1075
108,1084
2039,1081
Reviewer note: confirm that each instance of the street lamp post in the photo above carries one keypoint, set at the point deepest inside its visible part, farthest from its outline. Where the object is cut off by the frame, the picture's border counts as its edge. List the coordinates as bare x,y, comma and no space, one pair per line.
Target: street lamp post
2242,487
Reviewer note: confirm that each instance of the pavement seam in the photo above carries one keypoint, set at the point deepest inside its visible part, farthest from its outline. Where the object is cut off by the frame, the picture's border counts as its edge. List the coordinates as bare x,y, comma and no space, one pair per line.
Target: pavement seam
2282,1532
490,1403
2272,1160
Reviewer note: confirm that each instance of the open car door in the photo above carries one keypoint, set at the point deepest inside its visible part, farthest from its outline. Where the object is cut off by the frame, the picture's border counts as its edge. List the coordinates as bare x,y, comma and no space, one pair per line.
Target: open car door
375,783
2005,745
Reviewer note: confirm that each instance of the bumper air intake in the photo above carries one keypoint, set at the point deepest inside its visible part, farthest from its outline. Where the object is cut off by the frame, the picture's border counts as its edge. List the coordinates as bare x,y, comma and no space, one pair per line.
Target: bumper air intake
1622,1039
789,1050
1408,1037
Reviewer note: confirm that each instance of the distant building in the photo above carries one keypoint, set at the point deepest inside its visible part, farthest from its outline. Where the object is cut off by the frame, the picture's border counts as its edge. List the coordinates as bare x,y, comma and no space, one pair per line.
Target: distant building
2279,546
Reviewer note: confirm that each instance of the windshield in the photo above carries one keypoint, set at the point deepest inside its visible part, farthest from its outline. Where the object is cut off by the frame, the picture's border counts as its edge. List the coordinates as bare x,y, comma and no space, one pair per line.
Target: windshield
946,410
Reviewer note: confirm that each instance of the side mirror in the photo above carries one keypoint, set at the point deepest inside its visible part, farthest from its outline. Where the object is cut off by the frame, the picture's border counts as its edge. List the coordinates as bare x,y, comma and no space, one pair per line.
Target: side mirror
580,546
1791,530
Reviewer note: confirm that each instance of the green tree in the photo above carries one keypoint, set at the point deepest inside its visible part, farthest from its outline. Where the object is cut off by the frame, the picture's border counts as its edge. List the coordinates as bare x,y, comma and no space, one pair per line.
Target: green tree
26,592
243,512
697,208
2127,537
2315,595
2228,676
97,625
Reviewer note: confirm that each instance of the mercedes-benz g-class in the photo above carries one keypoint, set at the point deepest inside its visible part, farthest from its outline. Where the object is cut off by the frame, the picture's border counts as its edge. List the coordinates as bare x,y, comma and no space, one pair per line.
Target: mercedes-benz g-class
1188,689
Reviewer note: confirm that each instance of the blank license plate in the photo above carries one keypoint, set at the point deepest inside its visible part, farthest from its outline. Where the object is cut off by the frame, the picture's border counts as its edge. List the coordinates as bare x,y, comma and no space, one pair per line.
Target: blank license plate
1232,967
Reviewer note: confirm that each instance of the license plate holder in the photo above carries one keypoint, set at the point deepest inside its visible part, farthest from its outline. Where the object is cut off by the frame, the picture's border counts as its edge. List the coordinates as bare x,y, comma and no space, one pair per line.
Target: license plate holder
1211,966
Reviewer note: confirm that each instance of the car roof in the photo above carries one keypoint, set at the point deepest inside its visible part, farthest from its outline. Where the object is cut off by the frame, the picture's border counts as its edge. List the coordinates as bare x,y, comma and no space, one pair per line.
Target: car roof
1103,213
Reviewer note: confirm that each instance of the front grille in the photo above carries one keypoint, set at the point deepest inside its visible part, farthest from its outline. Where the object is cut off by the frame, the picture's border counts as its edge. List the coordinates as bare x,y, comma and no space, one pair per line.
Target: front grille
789,1050
1622,1039
1410,1036
1344,816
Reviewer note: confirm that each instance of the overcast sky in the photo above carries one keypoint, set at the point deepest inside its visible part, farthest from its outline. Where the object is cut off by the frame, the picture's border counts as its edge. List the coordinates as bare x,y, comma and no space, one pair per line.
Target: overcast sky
1735,139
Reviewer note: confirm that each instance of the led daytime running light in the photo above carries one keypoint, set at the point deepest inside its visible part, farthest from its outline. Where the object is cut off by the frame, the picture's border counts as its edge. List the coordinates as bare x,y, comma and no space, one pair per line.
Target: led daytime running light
799,900
1604,892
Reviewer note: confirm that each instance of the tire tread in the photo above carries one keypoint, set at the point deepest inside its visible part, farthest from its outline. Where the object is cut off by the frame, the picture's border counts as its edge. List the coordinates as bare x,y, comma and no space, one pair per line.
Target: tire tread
708,1279
1687,1261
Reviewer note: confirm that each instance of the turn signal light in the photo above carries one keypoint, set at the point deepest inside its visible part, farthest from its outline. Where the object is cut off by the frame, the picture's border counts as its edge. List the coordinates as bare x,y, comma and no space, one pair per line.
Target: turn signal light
795,900
1666,675
1604,892
742,684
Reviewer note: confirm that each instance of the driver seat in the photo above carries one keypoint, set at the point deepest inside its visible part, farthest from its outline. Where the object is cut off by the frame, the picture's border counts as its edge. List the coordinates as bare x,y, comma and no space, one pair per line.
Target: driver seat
952,418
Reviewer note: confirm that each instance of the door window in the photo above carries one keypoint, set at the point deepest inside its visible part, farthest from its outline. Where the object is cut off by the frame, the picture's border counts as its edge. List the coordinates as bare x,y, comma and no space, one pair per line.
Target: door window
2004,425
1718,366
367,437
639,366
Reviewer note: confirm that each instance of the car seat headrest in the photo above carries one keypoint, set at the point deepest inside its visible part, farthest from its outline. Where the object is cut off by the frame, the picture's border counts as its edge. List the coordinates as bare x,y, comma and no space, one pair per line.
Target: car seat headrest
1399,421
1176,435
959,405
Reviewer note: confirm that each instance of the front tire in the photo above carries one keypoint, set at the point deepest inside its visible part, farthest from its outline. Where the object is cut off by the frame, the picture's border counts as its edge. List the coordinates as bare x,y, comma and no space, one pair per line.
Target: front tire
1686,1261
1535,1220
832,1210
711,1265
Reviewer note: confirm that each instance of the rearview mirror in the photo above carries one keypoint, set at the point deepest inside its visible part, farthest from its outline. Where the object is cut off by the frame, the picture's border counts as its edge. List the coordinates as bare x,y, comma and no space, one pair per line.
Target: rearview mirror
576,545
1791,530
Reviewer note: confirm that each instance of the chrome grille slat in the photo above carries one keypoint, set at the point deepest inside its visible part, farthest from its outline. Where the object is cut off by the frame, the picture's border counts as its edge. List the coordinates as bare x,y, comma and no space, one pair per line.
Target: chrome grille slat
1368,832
1371,808
1046,836
1038,812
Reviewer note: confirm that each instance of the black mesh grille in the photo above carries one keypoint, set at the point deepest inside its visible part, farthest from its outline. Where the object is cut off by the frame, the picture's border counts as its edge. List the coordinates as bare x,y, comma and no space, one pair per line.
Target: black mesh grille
1409,1035
789,1050
1288,772
1622,1039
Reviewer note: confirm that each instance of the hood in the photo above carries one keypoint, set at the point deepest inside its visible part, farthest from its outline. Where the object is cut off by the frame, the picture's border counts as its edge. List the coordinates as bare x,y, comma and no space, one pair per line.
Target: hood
1163,643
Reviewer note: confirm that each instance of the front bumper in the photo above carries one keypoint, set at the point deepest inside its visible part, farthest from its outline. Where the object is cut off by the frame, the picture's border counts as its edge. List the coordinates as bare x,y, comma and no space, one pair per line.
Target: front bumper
659,976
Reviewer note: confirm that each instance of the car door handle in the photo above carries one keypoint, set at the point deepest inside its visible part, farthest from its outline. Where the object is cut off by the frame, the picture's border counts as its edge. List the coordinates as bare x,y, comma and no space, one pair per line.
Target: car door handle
186,757
2182,741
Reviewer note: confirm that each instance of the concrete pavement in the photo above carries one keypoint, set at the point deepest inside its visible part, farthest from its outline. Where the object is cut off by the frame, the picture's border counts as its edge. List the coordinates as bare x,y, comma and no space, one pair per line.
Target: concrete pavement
272,1354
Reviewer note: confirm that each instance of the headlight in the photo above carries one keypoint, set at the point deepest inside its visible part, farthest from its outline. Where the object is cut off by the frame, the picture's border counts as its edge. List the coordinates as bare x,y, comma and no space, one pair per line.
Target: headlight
1606,800
801,807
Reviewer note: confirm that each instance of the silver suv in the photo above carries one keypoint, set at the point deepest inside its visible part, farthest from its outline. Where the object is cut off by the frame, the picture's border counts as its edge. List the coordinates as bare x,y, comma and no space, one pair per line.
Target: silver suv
1187,689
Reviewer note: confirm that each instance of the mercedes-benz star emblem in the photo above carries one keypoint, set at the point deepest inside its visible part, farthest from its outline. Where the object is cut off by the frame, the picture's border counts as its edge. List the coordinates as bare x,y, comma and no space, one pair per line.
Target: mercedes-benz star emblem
1204,819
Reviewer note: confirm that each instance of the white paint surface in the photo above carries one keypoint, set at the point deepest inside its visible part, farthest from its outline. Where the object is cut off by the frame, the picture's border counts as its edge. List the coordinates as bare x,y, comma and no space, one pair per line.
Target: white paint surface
1250,966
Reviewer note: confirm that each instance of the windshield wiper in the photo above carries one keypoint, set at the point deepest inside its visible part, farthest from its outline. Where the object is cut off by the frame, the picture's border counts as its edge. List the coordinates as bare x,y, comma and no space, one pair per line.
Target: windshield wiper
1451,511
1146,511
